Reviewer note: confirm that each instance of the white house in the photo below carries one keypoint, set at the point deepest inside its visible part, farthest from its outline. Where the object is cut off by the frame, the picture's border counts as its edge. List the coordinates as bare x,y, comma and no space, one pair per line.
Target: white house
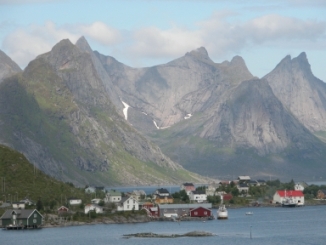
300,186
90,189
113,196
93,207
74,201
244,178
198,196
297,197
18,205
128,204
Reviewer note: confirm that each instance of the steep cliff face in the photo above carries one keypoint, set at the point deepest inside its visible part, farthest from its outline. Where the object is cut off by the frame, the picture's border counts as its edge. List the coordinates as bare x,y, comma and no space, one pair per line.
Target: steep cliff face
169,93
7,66
300,91
69,128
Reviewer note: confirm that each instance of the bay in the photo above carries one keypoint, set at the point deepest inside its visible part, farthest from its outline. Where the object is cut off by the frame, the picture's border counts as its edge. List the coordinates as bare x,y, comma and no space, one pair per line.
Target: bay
304,225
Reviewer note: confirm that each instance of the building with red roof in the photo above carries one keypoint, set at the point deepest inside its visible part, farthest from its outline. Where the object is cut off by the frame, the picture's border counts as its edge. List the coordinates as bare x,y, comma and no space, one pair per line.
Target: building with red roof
281,195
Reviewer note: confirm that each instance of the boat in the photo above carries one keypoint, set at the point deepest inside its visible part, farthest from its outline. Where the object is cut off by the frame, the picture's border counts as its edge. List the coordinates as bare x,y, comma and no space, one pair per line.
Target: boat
288,201
222,212
249,213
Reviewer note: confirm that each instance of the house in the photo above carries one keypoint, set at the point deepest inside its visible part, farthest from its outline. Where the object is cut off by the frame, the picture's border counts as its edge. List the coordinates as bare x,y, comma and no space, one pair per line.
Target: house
27,201
18,205
63,210
138,194
261,182
198,196
162,195
300,186
321,194
169,210
25,218
243,187
96,201
113,196
93,207
211,190
227,197
163,199
90,189
161,192
244,178
200,212
280,196
188,187
128,204
74,201
253,183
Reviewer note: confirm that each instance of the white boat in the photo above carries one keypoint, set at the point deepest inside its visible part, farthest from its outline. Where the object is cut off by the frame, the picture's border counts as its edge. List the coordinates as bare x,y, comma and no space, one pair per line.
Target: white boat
249,213
288,201
222,212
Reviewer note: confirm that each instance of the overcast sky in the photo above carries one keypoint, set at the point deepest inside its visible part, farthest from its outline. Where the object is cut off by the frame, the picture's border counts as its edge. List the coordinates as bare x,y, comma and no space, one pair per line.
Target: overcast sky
142,33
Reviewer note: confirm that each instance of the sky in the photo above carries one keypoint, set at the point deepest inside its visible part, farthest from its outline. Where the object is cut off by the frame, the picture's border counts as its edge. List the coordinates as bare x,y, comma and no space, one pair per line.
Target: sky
142,33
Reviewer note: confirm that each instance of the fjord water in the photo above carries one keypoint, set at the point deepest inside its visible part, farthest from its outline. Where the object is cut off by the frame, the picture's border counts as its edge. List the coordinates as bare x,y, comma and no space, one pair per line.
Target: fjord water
305,225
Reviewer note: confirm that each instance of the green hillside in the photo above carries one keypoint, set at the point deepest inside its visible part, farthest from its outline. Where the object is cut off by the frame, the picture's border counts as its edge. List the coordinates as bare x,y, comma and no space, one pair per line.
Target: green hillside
19,180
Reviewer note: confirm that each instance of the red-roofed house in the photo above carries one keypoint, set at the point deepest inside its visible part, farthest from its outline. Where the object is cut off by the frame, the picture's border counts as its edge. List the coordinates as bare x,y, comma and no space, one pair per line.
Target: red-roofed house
297,196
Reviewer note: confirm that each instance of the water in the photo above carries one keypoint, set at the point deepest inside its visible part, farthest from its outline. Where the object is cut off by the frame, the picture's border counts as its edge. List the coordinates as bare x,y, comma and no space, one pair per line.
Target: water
305,225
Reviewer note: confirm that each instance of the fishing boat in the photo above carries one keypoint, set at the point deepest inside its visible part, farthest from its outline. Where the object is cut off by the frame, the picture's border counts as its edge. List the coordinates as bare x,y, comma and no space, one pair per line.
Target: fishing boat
222,212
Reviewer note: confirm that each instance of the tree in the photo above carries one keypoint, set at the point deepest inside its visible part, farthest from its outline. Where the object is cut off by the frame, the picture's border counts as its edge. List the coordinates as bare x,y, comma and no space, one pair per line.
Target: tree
39,205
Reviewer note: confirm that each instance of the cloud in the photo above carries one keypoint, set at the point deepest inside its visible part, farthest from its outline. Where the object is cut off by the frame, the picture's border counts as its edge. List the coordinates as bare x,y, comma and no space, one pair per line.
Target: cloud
24,44
221,34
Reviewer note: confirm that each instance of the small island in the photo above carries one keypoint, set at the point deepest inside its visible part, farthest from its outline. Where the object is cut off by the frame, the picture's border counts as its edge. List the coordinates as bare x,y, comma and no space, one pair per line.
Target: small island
155,235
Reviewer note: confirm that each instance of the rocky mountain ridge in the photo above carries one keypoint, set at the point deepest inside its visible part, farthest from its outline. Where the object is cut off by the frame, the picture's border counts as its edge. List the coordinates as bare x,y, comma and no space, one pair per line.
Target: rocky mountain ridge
58,113
215,119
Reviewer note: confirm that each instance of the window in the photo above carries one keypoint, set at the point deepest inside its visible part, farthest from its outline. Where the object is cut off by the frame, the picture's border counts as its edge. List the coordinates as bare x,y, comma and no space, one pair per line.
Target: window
35,215
196,213
205,212
127,206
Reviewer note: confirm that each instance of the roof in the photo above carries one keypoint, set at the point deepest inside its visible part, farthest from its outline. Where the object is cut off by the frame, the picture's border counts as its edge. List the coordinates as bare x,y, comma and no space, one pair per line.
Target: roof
200,192
162,190
244,177
21,213
139,192
114,193
188,184
199,208
185,206
290,193
123,199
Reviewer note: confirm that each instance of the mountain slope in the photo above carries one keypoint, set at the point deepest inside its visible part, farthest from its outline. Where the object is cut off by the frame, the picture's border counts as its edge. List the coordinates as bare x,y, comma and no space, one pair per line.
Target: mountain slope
57,112
7,66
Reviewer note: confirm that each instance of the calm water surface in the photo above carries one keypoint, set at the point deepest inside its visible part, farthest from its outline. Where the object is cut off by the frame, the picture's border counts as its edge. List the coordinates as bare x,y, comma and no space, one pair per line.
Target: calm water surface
304,225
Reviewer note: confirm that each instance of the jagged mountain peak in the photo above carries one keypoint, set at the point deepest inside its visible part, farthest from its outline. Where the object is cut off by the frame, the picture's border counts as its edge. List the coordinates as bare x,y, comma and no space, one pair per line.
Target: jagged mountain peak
199,53
83,45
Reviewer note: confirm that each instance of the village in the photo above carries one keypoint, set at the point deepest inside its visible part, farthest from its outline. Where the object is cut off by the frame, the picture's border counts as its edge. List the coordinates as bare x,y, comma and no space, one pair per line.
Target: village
190,203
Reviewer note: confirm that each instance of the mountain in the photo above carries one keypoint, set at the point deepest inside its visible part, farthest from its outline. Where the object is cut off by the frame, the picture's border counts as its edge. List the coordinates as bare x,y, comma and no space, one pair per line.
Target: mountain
217,119
300,91
82,115
7,66
59,114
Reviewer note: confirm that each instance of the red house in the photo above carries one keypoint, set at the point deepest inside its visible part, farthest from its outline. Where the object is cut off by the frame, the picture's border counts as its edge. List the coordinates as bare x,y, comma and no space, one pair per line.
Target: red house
63,210
200,212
